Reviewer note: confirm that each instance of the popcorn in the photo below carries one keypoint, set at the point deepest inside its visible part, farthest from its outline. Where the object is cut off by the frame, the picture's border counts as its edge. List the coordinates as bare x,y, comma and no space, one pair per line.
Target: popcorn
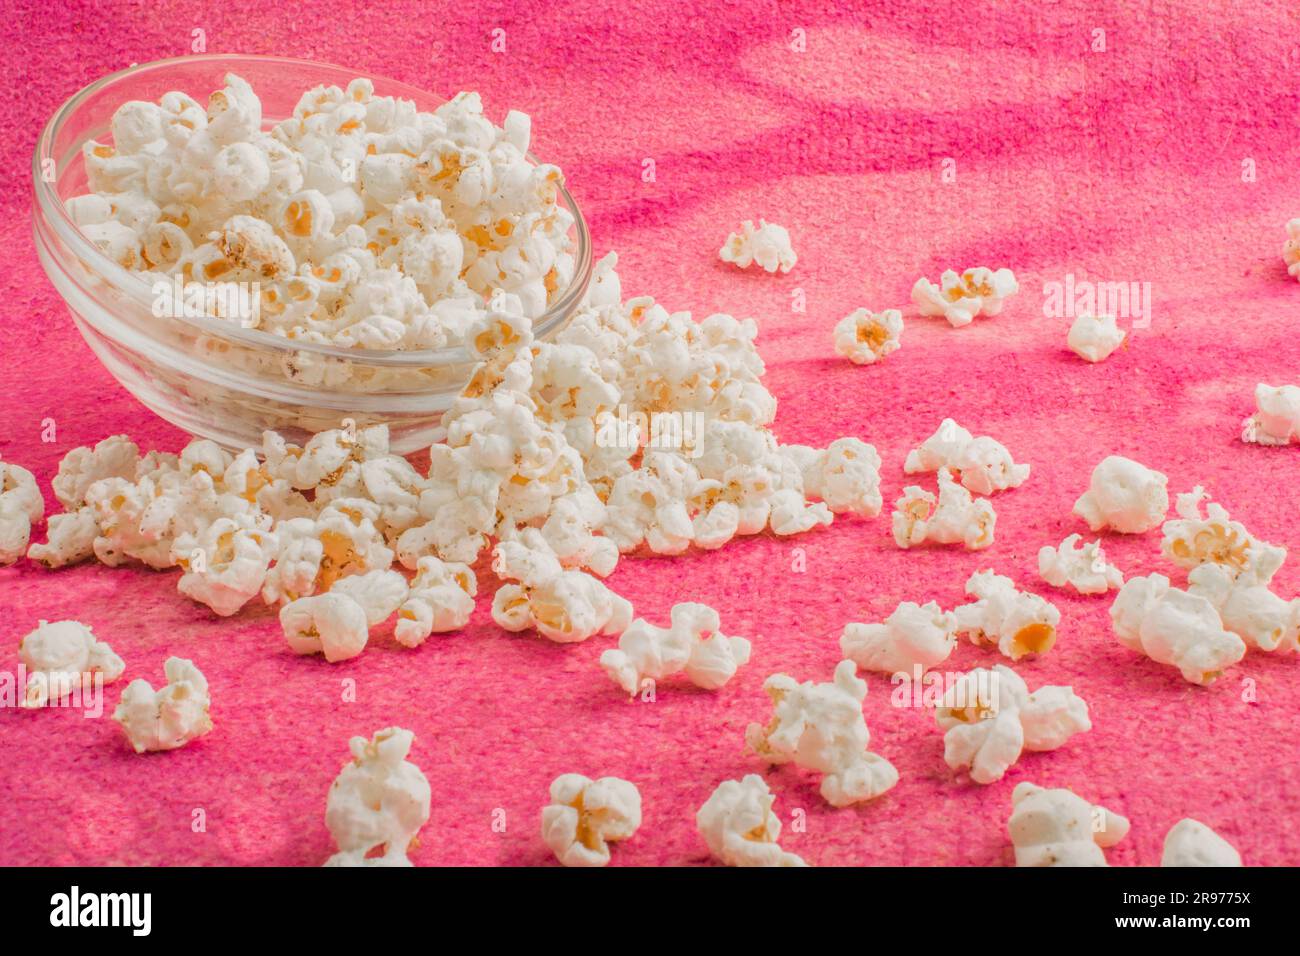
820,727
1094,337
21,506
912,636
585,816
845,475
170,717
70,538
960,298
441,599
1191,843
226,566
1194,539
1124,496
1277,419
1018,622
64,657
1248,608
1059,828
864,337
693,643
1174,627
114,457
1083,568
739,826
768,245
1291,248
955,518
564,605
989,718
379,800
982,464
332,624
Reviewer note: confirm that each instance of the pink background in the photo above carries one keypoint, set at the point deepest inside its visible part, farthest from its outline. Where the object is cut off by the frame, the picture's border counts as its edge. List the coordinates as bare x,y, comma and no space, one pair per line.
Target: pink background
1122,165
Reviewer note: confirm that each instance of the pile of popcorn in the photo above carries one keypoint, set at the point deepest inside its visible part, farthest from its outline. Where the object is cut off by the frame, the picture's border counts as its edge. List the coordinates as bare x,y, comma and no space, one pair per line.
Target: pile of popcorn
365,222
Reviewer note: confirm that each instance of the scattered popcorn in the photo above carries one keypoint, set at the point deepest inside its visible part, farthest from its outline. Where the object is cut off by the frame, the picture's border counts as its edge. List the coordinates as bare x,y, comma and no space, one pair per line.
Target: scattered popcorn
981,464
1094,337
170,717
1291,248
379,801
989,718
1194,539
441,599
1018,622
1174,627
768,245
366,222
1124,496
1248,608
960,298
739,826
1191,843
864,337
953,518
820,727
64,657
1059,828
1277,419
914,635
1083,568
332,624
693,643
585,816
21,506
845,475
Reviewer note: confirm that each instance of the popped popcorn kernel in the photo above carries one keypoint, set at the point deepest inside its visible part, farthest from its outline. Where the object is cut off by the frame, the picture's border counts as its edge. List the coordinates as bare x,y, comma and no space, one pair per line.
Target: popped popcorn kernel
864,337
169,717
914,635
955,517
1059,828
739,827
1082,567
332,624
1191,843
378,801
1277,417
585,816
1094,337
768,246
692,644
1174,627
1195,538
21,506
1124,496
62,658
1248,608
1018,622
441,599
960,298
820,727
982,465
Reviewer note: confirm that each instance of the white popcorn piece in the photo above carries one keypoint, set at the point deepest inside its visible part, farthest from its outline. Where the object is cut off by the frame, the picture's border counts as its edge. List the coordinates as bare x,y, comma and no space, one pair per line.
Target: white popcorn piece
585,816
1017,622
114,457
1174,627
225,565
1191,843
768,245
64,657
739,827
70,537
914,635
845,475
170,717
1248,608
564,605
378,801
955,517
1193,539
21,506
380,593
983,465
332,624
989,718
441,599
960,298
820,727
1082,567
1277,417
1291,248
693,643
865,337
1094,337
1124,496
1059,828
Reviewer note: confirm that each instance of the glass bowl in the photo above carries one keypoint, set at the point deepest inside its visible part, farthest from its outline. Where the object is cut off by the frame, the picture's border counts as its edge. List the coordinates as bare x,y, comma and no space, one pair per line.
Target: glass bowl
212,378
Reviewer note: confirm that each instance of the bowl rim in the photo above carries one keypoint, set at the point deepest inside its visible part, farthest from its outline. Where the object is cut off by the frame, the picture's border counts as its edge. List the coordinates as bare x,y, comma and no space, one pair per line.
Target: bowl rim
50,205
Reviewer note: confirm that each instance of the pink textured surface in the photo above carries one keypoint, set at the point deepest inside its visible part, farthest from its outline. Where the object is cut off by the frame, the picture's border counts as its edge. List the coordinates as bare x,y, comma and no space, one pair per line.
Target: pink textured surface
1116,165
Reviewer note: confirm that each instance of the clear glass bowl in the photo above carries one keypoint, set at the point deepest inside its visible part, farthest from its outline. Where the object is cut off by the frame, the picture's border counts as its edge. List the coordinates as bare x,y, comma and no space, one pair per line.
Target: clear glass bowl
211,378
